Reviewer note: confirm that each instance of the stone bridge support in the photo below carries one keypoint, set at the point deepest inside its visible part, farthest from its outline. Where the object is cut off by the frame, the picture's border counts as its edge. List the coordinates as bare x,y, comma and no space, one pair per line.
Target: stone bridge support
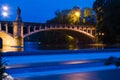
16,38
11,39
18,33
8,40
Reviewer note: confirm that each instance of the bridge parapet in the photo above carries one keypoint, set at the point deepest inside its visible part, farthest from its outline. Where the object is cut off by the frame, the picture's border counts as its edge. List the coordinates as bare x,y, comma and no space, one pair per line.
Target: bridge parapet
6,27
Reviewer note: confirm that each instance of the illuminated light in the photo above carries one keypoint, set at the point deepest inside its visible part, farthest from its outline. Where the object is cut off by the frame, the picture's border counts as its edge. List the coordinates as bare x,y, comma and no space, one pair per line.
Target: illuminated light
102,34
5,11
70,37
5,14
77,14
71,46
84,21
99,33
5,8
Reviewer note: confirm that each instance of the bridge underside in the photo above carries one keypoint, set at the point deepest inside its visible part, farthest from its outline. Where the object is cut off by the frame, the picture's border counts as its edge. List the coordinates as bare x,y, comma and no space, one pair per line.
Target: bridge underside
60,37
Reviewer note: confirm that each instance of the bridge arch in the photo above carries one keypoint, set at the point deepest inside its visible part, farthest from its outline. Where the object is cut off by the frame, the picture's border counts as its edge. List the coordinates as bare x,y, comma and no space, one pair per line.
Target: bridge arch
48,29
79,34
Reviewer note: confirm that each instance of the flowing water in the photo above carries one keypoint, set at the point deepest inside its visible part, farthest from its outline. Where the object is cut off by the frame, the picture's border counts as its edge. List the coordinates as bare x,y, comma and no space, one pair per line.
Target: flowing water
60,62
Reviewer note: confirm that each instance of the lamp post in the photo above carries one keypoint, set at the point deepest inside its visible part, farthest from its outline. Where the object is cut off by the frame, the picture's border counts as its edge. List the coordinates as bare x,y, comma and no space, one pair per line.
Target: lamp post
5,11
4,14
5,8
77,14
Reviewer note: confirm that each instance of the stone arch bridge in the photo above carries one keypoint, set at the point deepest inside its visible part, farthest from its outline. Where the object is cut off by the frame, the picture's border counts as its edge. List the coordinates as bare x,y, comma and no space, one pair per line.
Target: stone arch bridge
13,33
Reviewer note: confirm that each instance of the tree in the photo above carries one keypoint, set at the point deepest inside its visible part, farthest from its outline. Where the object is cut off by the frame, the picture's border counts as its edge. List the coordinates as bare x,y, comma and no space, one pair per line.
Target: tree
88,17
108,19
87,12
98,8
75,15
61,17
67,16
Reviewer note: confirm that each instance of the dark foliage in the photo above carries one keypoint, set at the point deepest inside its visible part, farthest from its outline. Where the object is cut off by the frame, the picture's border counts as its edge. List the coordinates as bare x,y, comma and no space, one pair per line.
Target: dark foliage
61,17
113,60
2,68
108,20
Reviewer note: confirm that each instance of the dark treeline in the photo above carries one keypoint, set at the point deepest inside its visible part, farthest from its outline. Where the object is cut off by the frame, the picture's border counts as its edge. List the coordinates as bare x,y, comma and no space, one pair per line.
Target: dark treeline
74,16
108,20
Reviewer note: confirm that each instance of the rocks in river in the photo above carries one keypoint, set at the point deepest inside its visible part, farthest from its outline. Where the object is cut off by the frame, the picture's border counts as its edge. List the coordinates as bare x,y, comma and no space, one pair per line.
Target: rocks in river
7,77
117,63
113,60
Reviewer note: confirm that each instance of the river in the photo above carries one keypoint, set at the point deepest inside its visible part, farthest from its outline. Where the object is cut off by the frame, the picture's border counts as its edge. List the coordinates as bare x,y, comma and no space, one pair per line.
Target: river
60,62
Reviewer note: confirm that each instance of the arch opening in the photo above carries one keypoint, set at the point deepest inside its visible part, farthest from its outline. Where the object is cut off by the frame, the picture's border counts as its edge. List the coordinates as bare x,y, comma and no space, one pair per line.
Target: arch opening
60,35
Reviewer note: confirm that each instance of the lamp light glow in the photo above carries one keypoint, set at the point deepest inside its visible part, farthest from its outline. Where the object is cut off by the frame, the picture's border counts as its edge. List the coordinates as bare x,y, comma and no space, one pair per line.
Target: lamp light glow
5,14
77,14
5,8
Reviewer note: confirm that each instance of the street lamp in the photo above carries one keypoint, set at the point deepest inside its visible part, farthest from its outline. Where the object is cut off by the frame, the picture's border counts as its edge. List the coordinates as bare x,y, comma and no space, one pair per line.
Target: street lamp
4,11
5,14
77,17
5,8
77,14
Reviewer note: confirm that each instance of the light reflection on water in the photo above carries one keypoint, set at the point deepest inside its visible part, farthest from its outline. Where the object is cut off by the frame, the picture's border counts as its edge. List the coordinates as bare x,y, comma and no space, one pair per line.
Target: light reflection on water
36,46
11,49
82,76
94,75
97,75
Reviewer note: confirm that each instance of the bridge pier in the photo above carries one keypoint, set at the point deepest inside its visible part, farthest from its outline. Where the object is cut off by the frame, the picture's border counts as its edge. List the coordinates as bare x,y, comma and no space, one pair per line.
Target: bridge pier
18,33
18,29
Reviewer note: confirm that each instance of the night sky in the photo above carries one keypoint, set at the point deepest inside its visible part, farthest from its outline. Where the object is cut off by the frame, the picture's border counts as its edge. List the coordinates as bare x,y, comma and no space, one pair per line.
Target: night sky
40,10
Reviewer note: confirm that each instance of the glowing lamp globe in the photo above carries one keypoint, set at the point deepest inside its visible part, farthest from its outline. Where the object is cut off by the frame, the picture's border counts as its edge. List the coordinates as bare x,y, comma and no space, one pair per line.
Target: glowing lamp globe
5,14
5,8
77,14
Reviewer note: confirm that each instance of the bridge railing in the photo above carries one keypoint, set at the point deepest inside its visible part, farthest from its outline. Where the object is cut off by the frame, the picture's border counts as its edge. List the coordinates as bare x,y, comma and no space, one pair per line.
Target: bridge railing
6,27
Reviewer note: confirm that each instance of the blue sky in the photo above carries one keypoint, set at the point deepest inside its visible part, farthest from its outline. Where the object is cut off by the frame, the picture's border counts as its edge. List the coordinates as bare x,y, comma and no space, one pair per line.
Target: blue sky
40,10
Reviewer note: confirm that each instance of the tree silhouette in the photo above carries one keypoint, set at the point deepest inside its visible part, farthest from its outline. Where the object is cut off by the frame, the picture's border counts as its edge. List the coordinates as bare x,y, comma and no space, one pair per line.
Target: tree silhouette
108,19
